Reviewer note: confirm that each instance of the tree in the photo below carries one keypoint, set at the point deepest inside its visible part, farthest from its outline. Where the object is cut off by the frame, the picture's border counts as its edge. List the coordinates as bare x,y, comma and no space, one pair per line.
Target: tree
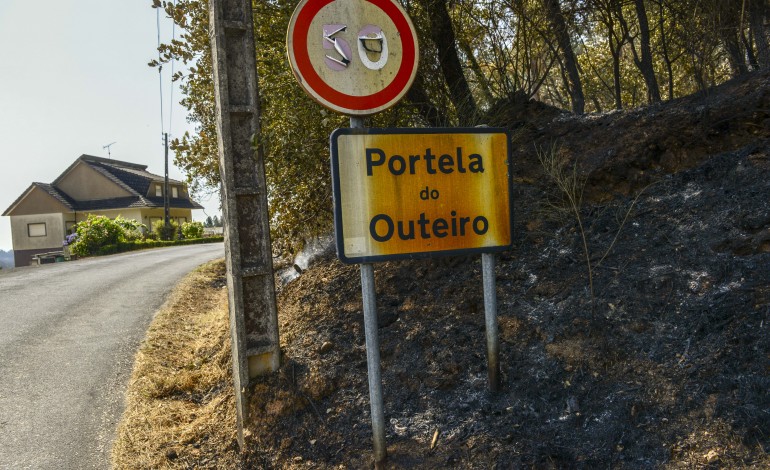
443,36
729,27
607,12
570,65
664,44
758,12
645,61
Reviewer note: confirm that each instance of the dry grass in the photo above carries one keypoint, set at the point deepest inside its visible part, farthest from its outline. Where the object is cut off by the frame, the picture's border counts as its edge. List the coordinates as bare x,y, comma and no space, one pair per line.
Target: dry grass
180,410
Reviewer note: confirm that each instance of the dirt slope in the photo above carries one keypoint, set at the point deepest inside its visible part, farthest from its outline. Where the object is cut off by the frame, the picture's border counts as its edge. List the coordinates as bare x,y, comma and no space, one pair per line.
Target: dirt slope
667,365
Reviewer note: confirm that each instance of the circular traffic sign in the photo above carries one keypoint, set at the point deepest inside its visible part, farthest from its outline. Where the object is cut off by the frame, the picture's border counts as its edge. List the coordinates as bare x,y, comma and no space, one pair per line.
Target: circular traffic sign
356,57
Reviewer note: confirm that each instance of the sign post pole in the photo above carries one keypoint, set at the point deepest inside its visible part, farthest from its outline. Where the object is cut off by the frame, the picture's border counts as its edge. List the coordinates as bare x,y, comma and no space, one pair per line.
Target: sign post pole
490,314
373,363
369,298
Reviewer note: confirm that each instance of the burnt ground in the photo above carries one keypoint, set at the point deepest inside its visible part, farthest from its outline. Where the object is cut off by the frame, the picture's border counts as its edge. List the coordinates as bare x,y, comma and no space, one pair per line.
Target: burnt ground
667,365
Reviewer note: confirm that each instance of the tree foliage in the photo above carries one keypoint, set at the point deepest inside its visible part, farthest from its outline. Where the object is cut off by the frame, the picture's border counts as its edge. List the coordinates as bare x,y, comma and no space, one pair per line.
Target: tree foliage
581,55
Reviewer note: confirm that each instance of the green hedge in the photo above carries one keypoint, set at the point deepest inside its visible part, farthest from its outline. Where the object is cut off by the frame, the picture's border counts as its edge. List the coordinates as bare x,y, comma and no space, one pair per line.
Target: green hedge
122,247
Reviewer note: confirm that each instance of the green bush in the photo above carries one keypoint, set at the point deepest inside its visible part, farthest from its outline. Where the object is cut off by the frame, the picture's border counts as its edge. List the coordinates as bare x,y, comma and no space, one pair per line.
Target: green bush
100,235
170,232
95,232
192,230
132,229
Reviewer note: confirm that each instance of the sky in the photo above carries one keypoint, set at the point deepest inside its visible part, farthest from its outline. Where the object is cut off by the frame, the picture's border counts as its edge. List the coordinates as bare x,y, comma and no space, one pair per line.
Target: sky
74,78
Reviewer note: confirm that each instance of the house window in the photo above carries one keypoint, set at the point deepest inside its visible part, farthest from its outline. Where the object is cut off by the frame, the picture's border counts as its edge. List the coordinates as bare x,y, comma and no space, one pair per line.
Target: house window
159,190
181,220
36,230
174,192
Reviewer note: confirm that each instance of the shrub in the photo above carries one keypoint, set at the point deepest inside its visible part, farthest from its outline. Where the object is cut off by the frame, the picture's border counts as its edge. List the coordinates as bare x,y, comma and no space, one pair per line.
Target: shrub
132,229
95,232
70,239
164,232
100,235
192,230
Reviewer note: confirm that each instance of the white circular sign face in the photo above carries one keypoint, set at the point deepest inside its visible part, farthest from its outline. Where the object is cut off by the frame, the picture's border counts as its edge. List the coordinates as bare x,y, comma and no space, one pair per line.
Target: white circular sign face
356,57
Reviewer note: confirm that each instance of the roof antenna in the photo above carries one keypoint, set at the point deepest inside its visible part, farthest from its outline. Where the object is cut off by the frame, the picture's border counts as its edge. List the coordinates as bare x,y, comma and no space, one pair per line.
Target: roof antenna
109,155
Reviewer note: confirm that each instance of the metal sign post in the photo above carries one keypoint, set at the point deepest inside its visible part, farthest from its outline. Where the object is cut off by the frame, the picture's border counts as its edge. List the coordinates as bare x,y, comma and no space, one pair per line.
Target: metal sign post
490,317
371,330
369,296
250,283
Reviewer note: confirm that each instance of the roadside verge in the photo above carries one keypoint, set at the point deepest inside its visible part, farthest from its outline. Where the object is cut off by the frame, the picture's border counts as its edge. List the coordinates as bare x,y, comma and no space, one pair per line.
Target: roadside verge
179,404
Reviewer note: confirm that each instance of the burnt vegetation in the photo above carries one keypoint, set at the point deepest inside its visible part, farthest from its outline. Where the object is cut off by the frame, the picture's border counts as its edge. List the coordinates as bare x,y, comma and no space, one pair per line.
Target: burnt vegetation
667,364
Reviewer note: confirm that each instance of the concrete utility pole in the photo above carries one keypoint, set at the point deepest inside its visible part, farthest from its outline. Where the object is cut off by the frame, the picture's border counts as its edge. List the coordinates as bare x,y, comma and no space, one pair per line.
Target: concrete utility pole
165,184
253,312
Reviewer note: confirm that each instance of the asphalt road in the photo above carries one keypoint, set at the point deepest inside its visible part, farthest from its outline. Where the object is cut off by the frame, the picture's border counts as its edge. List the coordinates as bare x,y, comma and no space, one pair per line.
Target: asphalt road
68,335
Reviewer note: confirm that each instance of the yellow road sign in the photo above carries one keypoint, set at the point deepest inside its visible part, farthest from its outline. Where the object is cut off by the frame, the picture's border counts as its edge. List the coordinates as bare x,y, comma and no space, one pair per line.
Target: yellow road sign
408,193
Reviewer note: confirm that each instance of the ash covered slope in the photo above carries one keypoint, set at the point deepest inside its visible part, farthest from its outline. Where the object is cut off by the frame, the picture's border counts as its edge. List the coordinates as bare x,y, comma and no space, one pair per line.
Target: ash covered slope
621,152
667,366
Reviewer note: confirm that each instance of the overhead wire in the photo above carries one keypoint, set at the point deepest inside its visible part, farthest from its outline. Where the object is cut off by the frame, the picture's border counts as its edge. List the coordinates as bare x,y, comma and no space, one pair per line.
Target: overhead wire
163,127
171,92
160,70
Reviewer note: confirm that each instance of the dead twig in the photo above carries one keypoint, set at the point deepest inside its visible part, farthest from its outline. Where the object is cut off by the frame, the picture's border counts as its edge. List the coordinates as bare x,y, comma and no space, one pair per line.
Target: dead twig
312,405
684,354
622,223
571,186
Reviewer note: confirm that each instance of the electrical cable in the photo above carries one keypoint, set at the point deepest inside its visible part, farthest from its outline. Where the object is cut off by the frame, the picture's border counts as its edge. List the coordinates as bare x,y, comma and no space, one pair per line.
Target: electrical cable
171,92
160,70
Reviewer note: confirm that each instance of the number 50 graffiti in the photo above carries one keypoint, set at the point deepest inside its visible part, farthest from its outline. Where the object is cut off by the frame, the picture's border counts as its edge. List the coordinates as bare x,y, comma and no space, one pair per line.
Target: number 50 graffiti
371,43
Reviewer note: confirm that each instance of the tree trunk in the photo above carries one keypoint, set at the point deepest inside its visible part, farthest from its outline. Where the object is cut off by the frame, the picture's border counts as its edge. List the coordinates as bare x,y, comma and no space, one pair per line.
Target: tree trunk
616,78
757,14
734,52
434,116
753,61
559,25
443,35
476,68
666,57
729,26
608,11
645,63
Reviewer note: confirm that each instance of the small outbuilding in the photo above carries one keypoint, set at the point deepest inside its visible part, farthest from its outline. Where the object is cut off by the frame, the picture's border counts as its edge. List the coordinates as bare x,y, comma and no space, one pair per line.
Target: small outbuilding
46,213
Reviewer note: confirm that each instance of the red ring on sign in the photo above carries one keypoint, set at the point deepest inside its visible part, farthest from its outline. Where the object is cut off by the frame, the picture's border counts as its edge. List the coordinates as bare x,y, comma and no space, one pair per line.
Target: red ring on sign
343,100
